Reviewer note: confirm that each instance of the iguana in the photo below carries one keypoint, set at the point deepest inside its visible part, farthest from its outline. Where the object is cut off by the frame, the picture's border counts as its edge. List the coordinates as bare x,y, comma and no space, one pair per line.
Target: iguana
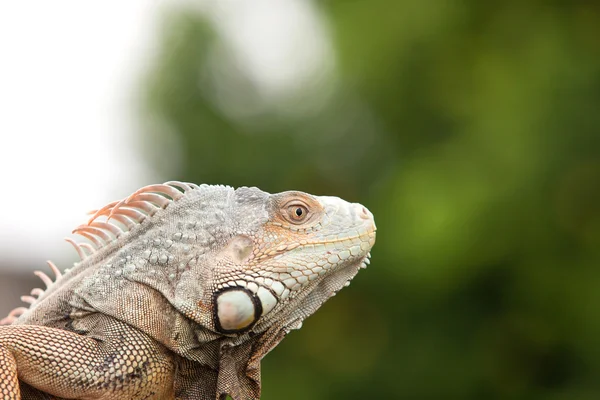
180,292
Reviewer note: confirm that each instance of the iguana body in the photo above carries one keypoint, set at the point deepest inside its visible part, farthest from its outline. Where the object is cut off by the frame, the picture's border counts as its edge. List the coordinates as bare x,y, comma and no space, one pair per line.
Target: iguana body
181,292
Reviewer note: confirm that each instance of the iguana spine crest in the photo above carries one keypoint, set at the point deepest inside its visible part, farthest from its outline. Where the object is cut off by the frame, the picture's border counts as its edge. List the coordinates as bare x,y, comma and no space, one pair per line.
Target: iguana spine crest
128,212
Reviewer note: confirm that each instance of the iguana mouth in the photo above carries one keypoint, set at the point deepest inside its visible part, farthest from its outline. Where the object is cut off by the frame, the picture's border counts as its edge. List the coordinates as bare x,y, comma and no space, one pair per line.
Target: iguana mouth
305,243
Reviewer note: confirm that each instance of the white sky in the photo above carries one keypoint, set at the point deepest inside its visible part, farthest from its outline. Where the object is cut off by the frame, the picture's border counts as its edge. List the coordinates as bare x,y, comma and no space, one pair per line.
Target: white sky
68,71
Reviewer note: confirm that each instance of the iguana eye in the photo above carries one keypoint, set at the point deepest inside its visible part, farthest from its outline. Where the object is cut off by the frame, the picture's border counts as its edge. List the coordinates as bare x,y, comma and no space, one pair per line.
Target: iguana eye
297,213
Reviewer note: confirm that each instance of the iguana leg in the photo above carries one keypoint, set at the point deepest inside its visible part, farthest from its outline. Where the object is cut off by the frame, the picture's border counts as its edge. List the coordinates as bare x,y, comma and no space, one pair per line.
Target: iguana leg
125,364
9,383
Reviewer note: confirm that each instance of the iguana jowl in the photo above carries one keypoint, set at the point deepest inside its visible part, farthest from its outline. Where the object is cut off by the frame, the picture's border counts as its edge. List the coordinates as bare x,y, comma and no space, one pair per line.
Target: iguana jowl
181,290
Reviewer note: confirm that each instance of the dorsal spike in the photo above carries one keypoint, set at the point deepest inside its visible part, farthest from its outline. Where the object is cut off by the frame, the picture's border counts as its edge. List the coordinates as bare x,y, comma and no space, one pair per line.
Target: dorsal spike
90,230
88,247
102,211
127,222
28,299
163,188
112,228
78,248
13,315
37,292
45,278
183,185
156,199
131,213
145,206
91,238
54,269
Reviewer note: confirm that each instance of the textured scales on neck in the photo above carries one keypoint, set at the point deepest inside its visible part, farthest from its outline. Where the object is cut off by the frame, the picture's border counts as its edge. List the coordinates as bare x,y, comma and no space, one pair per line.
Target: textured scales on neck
216,275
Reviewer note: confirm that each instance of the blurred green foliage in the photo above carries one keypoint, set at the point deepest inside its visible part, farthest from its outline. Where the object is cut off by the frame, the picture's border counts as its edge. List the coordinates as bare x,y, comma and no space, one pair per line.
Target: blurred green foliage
471,131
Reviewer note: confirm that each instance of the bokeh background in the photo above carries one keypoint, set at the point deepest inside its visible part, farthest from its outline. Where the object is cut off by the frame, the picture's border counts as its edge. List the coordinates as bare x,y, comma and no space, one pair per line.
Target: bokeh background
470,129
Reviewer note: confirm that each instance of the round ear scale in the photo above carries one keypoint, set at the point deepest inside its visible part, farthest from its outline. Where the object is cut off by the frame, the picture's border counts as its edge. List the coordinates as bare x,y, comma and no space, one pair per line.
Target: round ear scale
267,300
236,310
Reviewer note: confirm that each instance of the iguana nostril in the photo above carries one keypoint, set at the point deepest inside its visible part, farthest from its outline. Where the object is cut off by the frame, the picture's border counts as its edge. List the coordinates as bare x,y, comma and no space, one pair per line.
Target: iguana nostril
363,212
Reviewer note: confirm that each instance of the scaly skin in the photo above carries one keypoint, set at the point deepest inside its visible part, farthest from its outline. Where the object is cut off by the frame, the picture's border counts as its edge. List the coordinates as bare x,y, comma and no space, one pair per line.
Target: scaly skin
181,292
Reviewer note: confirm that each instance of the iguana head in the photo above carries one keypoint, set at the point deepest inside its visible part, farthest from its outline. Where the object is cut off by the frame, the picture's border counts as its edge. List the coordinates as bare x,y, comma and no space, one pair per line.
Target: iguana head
286,254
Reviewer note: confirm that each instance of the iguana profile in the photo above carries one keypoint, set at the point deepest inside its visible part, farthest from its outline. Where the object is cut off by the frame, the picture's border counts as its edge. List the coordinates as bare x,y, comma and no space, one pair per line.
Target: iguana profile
180,292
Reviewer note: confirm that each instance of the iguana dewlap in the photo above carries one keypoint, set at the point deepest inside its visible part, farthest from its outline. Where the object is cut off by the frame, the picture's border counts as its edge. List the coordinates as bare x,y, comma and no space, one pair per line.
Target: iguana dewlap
180,292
